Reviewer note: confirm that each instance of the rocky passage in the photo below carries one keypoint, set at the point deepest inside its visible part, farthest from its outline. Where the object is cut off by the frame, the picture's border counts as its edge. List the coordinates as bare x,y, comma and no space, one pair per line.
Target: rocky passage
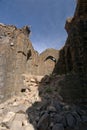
53,101
34,109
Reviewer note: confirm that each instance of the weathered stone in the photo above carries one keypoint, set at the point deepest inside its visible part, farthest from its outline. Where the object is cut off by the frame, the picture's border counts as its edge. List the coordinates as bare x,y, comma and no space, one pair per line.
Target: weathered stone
16,125
77,117
8,119
58,118
28,127
20,57
70,120
58,106
72,57
20,117
84,118
32,80
43,122
13,50
58,127
51,109
66,107
21,108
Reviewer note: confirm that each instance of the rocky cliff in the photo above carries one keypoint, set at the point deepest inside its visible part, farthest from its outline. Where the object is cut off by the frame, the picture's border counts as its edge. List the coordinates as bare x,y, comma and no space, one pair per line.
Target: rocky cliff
40,105
14,49
73,56
18,57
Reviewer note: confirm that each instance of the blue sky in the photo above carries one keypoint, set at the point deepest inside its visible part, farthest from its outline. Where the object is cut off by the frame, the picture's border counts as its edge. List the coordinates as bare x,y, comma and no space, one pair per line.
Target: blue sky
46,18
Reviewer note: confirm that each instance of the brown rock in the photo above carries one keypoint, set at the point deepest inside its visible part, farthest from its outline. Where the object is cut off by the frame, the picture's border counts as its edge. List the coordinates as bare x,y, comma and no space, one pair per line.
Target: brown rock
14,54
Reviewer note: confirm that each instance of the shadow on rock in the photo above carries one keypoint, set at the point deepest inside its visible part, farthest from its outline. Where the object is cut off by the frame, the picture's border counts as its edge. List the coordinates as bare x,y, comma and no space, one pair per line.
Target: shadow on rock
51,113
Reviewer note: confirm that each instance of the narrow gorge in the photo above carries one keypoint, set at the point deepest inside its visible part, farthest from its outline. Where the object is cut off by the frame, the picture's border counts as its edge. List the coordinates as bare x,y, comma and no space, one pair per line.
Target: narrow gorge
46,91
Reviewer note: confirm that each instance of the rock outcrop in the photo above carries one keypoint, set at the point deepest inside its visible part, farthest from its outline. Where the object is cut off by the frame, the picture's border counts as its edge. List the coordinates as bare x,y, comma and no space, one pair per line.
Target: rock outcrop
18,57
14,48
72,57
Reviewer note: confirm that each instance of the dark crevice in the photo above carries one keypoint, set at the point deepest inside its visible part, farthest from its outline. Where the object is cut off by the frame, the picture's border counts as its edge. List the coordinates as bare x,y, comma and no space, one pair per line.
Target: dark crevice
51,58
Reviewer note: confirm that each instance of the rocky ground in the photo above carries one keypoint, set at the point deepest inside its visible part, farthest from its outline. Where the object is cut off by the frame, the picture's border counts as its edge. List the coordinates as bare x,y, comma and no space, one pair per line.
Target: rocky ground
39,107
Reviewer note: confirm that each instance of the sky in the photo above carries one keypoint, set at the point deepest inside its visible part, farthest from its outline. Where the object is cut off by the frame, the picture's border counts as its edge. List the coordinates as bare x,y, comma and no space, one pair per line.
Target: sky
45,17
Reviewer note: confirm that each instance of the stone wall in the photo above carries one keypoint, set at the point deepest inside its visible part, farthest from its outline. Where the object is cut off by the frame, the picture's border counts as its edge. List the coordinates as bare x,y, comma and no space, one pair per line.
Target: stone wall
18,57
14,45
37,65
48,65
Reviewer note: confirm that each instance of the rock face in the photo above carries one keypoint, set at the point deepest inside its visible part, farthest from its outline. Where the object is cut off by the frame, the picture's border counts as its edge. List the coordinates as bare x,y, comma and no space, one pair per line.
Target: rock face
46,64
38,65
73,54
72,57
14,48
17,56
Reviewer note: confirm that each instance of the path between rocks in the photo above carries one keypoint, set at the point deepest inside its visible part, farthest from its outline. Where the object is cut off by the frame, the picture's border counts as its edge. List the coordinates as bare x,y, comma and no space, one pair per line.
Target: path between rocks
28,111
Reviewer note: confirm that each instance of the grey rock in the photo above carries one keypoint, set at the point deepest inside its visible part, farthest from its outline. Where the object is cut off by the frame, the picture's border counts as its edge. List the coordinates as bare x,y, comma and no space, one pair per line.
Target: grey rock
84,118
58,106
42,113
58,127
51,109
77,117
43,122
64,122
66,107
58,118
37,118
70,120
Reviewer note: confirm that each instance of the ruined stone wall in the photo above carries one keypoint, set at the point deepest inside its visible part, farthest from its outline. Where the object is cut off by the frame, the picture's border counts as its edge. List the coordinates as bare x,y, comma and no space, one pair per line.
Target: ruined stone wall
37,65
47,66
18,57
14,45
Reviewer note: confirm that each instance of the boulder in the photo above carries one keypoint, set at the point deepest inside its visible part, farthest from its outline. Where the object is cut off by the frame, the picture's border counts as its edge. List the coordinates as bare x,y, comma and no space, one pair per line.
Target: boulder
43,122
71,121
58,127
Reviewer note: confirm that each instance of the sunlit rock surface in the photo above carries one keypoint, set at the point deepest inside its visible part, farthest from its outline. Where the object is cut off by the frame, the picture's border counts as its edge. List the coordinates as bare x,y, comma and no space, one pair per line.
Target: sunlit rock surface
17,56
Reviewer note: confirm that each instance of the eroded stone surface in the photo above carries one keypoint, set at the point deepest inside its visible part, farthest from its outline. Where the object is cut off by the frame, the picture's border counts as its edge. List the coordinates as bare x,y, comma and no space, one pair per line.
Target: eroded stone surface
17,57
